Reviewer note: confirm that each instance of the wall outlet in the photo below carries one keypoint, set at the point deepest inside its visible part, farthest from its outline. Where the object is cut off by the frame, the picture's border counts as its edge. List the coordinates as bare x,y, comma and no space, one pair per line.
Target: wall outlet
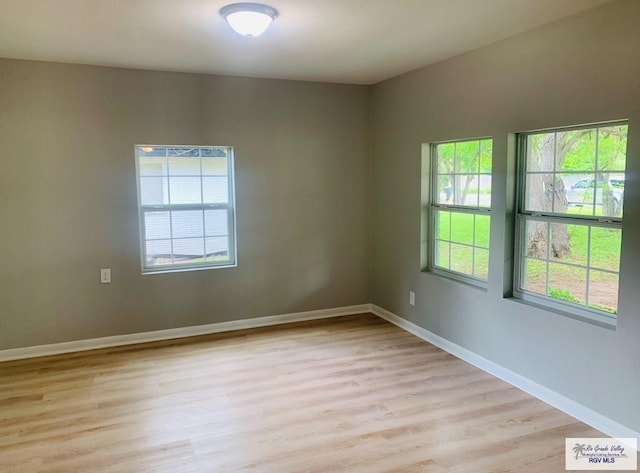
412,298
105,276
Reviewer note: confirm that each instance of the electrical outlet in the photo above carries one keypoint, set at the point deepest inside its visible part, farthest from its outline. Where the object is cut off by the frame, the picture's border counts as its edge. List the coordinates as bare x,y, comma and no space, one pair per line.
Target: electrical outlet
412,298
105,276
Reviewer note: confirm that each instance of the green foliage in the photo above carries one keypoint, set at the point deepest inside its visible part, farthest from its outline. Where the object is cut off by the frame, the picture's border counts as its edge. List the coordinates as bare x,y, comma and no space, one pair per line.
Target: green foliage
604,308
467,153
486,155
612,148
597,149
562,294
446,155
466,157
460,164
582,155
605,248
536,270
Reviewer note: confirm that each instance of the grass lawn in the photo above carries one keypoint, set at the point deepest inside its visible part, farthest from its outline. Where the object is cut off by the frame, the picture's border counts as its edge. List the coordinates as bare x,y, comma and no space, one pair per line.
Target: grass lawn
463,246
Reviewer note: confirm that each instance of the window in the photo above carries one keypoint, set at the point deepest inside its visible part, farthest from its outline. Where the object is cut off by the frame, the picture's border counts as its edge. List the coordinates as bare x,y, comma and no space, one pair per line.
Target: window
570,218
460,204
186,207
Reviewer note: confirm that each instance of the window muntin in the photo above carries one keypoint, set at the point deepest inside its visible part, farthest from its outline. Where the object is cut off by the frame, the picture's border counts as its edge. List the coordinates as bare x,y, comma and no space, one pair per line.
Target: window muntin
570,218
460,202
186,207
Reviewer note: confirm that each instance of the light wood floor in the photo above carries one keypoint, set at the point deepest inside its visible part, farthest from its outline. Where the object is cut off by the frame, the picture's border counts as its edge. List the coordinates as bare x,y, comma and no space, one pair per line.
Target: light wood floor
353,394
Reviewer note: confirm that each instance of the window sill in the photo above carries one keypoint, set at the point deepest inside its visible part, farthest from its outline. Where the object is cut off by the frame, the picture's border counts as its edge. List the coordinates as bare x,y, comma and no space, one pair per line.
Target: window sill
187,269
456,278
577,313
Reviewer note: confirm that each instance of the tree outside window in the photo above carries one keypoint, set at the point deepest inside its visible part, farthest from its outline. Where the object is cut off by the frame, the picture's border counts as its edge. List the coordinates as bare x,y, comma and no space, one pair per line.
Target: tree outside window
570,215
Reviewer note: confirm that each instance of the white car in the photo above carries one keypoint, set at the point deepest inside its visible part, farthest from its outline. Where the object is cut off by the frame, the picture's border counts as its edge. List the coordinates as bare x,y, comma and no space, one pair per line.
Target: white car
581,193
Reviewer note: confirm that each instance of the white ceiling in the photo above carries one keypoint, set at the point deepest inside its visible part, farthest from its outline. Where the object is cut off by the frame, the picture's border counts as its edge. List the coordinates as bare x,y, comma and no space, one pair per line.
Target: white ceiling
351,41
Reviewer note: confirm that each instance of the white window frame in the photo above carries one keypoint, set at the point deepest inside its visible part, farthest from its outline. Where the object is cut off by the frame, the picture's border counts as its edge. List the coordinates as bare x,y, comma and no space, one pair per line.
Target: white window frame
436,206
229,207
583,312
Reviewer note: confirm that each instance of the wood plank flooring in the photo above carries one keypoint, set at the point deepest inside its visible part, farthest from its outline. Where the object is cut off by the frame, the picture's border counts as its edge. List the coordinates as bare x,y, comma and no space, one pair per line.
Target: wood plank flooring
353,394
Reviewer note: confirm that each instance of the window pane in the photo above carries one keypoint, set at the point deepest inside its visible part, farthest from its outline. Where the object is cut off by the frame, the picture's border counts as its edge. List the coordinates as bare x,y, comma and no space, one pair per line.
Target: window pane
151,152
187,223
482,229
467,157
570,243
217,248
216,222
581,195
446,153
612,148
158,252
559,194
188,250
576,150
608,196
603,291
462,227
459,167
213,152
185,190
462,259
541,152
464,193
568,283
470,192
214,166
484,189
183,152
442,254
445,189
153,167
581,191
535,276
536,239
216,190
184,166
157,225
559,243
605,248
568,180
539,195
486,155
153,191
481,263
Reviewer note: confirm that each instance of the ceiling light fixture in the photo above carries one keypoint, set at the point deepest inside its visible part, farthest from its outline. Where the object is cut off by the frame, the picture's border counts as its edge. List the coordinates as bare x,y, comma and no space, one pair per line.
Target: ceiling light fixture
249,19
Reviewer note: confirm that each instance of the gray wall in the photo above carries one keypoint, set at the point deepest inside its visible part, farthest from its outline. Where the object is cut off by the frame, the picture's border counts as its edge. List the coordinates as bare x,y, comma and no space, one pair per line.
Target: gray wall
68,198
580,70
315,209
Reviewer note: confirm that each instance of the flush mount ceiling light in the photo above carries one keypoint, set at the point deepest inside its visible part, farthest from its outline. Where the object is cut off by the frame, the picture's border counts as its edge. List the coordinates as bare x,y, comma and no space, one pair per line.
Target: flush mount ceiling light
249,19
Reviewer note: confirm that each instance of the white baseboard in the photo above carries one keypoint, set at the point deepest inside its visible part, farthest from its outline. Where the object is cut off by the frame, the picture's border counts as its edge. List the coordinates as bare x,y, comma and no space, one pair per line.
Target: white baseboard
168,334
560,402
